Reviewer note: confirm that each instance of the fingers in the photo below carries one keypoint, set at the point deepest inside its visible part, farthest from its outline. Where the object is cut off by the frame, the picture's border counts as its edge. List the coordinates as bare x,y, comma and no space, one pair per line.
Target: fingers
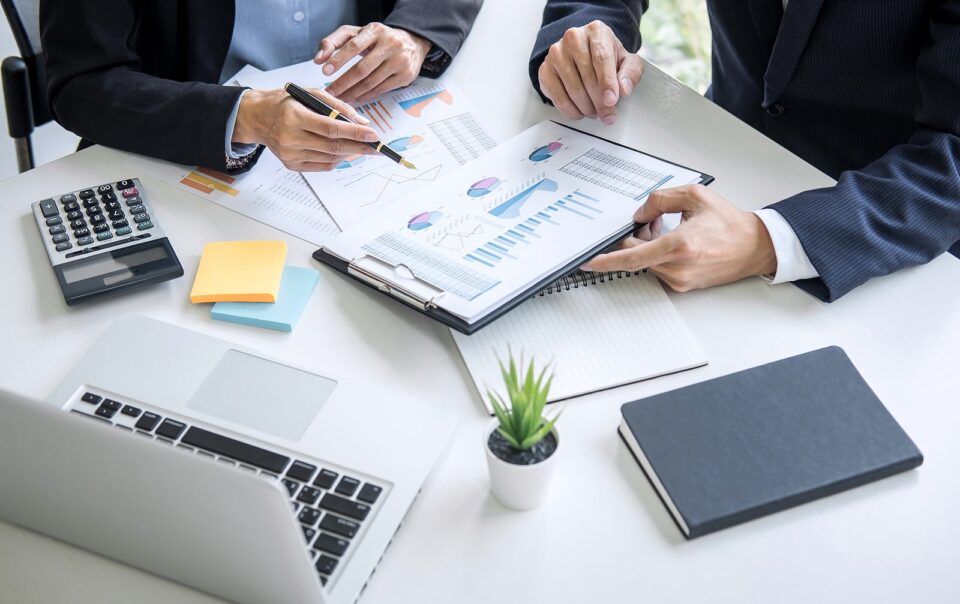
604,88
635,257
552,88
354,46
391,83
311,166
688,198
345,109
629,74
568,49
357,75
334,41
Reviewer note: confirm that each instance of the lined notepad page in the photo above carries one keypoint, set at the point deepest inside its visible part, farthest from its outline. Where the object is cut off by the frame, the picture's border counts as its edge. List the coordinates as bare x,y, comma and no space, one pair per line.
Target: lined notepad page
602,335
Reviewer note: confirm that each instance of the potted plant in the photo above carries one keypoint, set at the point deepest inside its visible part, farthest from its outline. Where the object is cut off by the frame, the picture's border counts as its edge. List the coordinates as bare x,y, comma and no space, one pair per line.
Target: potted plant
521,443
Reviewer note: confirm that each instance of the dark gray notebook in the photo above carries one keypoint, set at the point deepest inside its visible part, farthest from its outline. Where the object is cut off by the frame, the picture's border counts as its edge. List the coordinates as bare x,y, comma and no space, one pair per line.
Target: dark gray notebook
755,442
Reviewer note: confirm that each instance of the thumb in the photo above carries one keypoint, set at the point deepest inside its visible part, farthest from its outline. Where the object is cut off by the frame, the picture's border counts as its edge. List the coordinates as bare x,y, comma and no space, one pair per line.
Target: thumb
344,108
665,201
629,73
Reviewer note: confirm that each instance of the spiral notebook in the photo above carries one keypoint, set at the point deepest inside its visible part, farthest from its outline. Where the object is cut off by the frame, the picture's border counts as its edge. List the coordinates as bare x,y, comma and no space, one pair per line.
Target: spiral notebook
600,331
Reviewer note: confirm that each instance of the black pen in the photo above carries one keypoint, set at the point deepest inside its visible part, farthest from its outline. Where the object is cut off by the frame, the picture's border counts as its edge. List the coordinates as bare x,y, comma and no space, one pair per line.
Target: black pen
314,104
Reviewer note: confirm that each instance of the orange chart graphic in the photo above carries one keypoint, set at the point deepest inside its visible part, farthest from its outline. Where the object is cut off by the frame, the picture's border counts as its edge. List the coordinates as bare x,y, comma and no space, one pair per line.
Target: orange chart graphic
416,102
207,181
378,115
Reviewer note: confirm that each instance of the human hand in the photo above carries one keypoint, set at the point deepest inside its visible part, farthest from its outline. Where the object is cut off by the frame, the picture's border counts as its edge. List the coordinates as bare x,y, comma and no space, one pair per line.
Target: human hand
588,71
303,140
391,59
715,243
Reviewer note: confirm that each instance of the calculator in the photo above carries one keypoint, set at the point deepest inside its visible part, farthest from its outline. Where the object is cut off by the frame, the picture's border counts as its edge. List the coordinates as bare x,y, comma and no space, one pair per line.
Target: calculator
104,240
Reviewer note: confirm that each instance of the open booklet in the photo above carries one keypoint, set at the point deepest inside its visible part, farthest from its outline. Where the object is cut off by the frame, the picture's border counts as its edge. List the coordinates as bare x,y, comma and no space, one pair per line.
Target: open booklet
489,234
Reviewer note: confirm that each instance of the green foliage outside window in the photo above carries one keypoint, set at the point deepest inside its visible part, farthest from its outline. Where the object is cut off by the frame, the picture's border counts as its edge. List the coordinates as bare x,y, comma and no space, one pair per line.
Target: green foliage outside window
676,36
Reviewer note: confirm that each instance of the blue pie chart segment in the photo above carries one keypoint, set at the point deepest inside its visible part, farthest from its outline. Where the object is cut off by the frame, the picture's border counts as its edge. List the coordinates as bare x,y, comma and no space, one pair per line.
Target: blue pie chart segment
545,152
484,186
424,220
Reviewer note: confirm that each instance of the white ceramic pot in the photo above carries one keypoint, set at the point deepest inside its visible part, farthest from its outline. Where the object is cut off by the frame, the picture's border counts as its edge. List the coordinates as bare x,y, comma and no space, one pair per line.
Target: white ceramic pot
515,486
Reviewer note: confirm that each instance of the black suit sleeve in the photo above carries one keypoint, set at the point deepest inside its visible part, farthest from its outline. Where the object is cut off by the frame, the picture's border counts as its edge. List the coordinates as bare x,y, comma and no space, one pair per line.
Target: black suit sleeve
445,23
98,91
623,17
904,208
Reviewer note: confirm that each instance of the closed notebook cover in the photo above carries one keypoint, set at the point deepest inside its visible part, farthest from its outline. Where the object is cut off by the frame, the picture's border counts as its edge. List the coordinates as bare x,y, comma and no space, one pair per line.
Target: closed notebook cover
765,439
296,289
239,271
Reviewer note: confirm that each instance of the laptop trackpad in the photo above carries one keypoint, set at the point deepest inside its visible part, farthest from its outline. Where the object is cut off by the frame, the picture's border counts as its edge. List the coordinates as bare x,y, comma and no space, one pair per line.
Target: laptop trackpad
262,395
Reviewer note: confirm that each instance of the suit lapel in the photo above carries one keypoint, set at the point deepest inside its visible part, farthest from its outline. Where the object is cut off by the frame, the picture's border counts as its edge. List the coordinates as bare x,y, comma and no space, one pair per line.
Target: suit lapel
767,16
795,29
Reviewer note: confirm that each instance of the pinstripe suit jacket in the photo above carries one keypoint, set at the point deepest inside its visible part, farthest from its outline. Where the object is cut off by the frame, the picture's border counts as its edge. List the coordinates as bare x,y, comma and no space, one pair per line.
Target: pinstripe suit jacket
866,90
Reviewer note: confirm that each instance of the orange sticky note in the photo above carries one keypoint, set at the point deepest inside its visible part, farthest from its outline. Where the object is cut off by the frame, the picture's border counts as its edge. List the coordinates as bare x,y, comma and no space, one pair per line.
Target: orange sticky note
239,271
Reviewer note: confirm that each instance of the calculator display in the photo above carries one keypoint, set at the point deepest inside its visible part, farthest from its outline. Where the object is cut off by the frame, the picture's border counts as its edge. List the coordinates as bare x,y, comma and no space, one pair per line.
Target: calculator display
109,263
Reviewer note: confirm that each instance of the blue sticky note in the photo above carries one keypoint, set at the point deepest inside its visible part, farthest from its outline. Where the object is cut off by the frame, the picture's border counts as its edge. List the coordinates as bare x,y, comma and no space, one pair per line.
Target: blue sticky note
296,288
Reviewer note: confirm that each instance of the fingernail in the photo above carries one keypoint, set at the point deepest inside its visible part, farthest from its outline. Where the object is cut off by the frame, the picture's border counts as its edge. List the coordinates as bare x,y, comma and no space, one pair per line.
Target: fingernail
627,86
610,120
361,120
328,69
609,98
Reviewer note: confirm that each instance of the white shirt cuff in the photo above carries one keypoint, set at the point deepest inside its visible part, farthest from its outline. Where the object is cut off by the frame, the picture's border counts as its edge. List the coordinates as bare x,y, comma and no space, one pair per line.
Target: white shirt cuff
792,262
236,150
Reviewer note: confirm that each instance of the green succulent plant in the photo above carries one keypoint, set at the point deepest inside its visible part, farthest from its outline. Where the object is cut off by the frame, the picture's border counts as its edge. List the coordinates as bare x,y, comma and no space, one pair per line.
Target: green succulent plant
523,423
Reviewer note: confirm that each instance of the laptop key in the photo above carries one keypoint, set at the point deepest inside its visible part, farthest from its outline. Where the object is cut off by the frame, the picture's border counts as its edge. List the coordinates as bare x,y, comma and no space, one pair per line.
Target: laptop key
108,409
326,564
308,495
344,507
241,451
348,486
291,485
301,471
130,410
148,421
309,516
331,545
171,428
340,526
308,534
92,398
369,493
325,479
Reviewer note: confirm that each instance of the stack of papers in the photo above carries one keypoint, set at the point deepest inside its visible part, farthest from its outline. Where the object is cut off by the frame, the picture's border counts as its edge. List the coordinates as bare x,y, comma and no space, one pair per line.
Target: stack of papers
250,284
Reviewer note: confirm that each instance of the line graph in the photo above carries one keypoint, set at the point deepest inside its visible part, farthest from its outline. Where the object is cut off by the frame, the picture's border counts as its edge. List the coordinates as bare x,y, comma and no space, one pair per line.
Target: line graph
456,240
386,180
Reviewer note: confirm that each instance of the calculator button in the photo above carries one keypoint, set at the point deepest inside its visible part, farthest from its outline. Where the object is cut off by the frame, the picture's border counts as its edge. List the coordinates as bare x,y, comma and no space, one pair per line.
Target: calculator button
145,226
120,223
101,228
81,232
125,184
110,206
93,211
130,192
77,224
62,247
54,220
138,209
124,230
84,240
57,229
69,197
132,201
89,203
86,194
97,219
75,215
103,188
71,207
48,208
104,235
61,237
142,217
108,196
116,215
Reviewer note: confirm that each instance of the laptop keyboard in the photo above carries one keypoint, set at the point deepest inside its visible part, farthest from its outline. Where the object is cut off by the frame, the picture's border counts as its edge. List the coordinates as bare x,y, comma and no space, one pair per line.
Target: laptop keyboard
330,503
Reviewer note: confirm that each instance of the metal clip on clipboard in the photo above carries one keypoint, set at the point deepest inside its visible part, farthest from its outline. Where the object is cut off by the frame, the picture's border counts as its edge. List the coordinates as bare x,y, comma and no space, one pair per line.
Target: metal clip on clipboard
390,279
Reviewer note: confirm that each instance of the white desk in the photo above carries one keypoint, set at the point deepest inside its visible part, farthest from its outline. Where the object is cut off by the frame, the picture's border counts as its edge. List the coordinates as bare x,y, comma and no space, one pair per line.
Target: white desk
603,535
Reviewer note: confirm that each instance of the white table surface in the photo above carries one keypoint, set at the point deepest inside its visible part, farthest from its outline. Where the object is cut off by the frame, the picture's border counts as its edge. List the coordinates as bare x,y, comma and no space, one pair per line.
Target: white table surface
603,536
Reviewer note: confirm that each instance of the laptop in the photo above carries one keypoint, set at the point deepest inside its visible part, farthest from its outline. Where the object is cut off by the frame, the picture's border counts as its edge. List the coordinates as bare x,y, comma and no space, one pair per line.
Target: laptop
216,467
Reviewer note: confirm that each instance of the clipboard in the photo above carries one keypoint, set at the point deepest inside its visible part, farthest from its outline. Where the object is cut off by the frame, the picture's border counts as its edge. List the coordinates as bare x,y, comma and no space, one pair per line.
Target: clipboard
428,305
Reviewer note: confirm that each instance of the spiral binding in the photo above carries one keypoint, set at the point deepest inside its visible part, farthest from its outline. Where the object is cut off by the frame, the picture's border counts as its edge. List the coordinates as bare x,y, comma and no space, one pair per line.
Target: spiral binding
579,278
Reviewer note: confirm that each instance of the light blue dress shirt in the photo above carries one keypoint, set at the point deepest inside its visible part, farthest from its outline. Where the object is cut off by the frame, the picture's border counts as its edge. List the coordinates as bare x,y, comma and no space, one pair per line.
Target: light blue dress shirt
268,34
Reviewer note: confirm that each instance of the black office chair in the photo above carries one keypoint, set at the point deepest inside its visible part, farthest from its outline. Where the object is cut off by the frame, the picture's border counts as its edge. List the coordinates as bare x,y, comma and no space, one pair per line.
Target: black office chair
24,80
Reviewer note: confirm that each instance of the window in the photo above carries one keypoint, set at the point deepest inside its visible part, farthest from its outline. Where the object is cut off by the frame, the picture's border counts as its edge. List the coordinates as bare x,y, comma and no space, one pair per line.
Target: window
676,36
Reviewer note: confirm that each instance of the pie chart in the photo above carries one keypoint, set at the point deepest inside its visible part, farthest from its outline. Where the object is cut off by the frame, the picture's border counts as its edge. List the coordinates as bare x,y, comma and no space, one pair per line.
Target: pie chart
545,152
484,186
424,220
403,143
